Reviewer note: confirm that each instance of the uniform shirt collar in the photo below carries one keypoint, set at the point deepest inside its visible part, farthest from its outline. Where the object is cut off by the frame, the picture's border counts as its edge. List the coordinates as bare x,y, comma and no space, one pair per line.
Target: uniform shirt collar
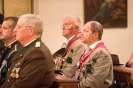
29,42
67,41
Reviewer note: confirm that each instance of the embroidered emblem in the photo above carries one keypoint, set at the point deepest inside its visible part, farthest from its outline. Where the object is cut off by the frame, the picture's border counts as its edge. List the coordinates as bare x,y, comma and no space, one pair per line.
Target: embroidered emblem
87,66
37,44
67,59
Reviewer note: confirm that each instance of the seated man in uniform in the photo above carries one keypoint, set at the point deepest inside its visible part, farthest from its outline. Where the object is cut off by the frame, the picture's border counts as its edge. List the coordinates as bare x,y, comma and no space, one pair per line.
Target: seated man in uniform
95,67
32,66
66,64
11,45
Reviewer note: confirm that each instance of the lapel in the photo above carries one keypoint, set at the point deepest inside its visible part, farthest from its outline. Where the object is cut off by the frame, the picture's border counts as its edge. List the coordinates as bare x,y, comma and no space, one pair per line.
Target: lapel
19,55
90,57
25,49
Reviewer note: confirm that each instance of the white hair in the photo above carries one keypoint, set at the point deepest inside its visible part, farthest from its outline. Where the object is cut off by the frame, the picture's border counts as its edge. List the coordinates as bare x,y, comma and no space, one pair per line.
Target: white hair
34,21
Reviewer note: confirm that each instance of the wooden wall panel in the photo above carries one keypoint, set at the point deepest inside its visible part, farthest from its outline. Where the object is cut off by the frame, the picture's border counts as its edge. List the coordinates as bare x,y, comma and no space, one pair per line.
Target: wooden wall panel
1,7
17,7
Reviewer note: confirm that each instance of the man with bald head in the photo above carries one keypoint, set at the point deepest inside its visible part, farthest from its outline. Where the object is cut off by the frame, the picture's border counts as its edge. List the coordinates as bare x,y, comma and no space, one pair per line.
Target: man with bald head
67,63
95,69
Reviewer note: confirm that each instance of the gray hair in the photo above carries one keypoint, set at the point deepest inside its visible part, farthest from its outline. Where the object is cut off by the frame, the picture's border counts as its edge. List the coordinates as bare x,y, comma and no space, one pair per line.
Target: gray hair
97,27
77,22
33,21
14,21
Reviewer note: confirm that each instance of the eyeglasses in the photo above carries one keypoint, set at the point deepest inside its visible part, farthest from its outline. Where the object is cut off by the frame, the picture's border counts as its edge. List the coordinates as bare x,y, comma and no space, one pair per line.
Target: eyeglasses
67,26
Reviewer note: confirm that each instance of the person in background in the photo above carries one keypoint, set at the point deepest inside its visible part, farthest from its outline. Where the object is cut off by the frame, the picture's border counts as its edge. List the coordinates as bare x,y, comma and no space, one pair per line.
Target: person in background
1,21
8,36
95,67
66,64
129,63
32,66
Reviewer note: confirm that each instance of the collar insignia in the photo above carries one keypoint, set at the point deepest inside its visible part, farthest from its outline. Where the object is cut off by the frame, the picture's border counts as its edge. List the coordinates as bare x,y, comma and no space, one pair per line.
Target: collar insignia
38,44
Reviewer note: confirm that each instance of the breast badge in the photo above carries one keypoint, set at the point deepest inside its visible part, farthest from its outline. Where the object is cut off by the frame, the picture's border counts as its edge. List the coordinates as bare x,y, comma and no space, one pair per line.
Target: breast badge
15,71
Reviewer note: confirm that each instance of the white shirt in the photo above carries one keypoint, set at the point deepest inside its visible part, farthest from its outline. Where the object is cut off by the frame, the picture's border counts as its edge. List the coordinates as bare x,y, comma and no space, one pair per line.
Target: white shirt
66,42
91,46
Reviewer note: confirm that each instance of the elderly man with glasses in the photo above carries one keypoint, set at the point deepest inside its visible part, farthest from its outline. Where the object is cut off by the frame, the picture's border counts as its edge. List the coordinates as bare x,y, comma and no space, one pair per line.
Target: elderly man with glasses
66,64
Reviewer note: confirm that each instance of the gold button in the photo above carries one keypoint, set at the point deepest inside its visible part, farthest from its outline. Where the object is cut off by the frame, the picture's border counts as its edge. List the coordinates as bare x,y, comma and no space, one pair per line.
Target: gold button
20,55
8,80
8,69
18,63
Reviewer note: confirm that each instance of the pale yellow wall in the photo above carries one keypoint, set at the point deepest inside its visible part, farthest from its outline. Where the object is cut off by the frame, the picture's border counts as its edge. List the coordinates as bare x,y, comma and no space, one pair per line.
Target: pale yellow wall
1,7
16,7
118,40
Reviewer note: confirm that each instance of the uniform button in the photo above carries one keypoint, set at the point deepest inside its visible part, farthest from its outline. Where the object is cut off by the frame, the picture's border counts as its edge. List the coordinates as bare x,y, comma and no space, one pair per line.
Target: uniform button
20,55
8,69
8,80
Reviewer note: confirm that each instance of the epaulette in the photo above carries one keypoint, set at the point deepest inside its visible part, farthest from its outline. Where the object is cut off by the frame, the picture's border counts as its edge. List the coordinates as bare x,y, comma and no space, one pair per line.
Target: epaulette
36,42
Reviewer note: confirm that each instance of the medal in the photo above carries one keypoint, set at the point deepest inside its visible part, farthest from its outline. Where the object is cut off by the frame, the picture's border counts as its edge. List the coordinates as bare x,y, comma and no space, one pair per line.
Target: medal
16,75
12,75
15,71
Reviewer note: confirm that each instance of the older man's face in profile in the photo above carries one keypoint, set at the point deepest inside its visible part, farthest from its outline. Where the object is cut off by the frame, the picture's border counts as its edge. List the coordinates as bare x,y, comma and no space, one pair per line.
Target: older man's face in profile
21,31
68,28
